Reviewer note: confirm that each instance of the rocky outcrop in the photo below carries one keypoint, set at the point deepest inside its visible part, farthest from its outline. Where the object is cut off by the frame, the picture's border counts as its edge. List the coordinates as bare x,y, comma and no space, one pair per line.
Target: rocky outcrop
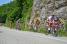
49,7
44,8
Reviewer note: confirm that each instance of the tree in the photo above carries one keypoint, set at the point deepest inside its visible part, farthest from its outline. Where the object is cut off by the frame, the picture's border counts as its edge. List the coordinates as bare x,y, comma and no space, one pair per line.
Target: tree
20,4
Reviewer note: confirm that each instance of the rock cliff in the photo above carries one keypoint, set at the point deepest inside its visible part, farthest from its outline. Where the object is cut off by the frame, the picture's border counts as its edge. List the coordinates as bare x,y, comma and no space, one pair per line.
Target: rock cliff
44,8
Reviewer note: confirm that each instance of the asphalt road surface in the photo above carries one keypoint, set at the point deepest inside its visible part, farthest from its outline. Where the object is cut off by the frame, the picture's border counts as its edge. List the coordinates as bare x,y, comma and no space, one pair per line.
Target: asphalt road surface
10,36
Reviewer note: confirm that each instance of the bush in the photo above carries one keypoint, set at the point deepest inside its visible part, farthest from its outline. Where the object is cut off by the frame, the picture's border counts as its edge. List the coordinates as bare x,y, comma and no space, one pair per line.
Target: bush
3,18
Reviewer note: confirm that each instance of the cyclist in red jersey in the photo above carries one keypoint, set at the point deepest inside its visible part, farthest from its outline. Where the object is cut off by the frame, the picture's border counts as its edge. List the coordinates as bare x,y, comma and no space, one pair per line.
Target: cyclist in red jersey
53,23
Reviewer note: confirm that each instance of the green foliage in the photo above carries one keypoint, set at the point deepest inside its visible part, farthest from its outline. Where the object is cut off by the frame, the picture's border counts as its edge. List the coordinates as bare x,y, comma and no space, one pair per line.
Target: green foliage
6,10
17,9
3,18
12,15
65,25
62,32
26,14
42,30
25,19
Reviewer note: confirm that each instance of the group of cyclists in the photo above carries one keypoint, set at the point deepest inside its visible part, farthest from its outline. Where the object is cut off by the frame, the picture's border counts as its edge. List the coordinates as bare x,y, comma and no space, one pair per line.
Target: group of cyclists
52,22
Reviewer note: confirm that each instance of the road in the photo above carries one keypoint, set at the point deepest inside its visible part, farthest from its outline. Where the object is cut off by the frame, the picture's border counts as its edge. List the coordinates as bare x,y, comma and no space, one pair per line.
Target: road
11,36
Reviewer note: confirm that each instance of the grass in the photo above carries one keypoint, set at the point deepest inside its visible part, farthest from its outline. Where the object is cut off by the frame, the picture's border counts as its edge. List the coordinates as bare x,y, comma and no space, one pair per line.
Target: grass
62,32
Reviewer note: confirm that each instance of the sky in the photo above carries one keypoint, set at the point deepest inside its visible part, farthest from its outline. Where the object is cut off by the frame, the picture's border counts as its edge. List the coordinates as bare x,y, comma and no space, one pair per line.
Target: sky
4,1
